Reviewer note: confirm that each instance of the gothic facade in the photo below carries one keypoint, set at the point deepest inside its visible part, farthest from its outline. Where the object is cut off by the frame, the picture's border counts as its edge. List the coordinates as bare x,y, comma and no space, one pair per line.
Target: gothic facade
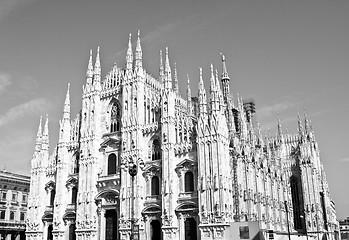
202,169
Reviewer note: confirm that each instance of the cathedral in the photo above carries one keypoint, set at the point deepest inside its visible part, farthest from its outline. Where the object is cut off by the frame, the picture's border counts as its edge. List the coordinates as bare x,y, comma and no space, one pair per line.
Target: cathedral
141,161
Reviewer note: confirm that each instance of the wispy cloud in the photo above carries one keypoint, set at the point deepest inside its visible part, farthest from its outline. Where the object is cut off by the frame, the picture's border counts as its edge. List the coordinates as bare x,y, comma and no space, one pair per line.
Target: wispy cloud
344,159
5,81
160,34
32,107
270,110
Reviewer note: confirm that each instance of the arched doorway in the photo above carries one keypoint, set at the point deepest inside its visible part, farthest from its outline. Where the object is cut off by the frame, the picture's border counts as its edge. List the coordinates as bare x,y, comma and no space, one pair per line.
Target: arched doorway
111,227
155,230
190,228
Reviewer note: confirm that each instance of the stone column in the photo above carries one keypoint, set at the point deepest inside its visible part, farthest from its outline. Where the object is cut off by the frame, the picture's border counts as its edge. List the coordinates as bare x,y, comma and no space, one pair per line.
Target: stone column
103,224
181,227
44,233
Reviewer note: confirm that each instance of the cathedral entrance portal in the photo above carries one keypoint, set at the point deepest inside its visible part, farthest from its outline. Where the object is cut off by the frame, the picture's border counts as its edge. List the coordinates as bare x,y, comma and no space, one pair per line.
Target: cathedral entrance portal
111,230
155,230
190,229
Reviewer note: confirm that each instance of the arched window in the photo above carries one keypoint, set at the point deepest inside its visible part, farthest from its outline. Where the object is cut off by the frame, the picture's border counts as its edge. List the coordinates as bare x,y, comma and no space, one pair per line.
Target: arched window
2,214
74,194
297,203
52,197
76,164
189,182
156,150
112,164
115,123
155,186
22,216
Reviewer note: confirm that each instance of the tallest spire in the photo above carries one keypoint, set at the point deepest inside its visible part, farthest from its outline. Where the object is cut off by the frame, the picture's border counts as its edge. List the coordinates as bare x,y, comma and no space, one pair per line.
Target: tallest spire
225,81
225,74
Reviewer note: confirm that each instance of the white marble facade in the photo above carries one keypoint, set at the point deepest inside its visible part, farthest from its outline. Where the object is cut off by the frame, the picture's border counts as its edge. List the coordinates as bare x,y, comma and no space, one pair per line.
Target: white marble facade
202,163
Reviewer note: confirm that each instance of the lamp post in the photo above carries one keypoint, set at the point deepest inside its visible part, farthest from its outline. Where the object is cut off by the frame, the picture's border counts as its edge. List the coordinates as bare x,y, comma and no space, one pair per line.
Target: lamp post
132,170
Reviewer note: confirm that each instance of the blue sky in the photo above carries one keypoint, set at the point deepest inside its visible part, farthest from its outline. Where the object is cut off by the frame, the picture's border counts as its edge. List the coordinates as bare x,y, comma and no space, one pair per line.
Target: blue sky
287,55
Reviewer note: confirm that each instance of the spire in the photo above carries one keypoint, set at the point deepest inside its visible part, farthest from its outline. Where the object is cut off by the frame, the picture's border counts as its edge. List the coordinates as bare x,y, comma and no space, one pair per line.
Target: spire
176,88
168,77
279,127
280,135
138,53
189,96
213,82
225,81
202,95
45,137
259,135
89,73
218,86
214,100
188,88
97,69
39,136
129,54
46,126
300,128
225,74
161,68
306,122
66,111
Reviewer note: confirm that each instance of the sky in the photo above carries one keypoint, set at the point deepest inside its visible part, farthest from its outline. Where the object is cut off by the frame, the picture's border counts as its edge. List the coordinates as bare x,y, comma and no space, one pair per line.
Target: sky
285,54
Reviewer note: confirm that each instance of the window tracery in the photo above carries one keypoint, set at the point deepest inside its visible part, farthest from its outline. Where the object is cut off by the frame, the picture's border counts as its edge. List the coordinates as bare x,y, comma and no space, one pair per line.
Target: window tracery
115,116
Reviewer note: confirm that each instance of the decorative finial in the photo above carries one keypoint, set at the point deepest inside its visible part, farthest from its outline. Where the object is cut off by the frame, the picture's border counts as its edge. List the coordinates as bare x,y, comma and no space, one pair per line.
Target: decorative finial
223,57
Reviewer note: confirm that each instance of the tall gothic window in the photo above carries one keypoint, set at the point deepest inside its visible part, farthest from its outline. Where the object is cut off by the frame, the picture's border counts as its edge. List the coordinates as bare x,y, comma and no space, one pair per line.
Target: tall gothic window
115,123
76,164
323,206
156,150
74,194
296,202
155,186
52,197
112,164
189,182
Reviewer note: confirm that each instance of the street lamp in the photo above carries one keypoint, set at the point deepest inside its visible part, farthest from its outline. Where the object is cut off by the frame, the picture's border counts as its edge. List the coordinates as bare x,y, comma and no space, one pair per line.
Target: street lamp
132,170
